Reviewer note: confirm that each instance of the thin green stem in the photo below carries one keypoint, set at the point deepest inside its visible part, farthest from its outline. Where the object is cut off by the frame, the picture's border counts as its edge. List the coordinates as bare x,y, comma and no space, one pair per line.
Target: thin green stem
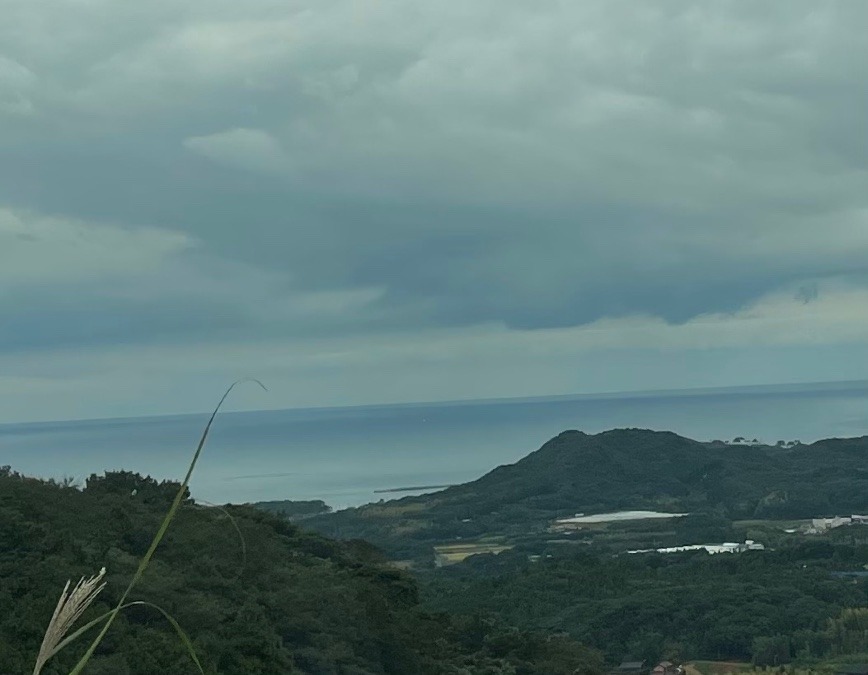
164,526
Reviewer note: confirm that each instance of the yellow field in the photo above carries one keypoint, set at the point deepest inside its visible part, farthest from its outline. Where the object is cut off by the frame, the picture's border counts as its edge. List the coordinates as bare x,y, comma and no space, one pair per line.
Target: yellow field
450,554
718,668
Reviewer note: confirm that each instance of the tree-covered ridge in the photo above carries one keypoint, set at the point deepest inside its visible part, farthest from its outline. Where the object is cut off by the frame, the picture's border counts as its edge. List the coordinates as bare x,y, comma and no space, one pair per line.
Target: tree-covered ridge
621,469
295,509
256,594
635,468
769,606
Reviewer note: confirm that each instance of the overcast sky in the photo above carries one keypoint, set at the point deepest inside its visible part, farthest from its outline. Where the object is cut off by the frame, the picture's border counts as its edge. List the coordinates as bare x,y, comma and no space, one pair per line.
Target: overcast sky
407,200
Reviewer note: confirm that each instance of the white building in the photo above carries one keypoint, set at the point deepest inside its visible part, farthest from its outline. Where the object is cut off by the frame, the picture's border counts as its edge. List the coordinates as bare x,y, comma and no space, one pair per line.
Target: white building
727,547
819,525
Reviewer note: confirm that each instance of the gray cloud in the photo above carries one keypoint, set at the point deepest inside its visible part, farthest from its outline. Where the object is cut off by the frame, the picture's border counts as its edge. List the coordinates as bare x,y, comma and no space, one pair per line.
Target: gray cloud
316,171
246,149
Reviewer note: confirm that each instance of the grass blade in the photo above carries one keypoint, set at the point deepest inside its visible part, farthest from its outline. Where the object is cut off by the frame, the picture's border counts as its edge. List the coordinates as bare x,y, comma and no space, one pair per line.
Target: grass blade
237,529
95,622
180,631
161,532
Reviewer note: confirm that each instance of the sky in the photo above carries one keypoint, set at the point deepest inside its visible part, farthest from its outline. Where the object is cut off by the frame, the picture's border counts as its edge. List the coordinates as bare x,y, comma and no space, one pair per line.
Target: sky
405,200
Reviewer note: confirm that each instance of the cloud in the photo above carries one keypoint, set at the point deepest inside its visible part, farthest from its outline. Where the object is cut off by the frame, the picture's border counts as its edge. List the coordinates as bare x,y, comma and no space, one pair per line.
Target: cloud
776,339
80,284
246,149
44,250
15,75
15,82
225,174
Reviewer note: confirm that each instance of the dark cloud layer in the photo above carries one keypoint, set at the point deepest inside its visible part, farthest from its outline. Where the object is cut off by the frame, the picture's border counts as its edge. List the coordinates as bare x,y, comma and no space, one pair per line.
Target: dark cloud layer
312,171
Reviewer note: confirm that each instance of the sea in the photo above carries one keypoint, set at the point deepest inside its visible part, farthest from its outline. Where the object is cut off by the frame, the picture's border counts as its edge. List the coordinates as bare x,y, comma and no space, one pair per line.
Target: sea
355,455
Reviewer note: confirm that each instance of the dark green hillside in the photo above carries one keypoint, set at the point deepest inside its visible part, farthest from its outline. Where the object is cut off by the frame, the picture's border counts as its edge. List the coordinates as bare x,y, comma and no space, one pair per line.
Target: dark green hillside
285,601
633,468
621,469
679,606
295,510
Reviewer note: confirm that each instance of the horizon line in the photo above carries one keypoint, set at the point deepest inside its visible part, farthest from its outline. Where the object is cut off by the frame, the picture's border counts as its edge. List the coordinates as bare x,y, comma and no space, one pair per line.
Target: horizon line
781,387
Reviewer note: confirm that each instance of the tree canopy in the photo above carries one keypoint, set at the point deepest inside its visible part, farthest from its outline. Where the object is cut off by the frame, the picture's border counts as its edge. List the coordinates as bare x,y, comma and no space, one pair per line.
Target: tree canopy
256,594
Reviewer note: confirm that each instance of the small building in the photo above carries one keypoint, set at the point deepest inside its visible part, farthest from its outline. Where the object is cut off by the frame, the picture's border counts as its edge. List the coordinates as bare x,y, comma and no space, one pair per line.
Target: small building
631,668
666,668
728,547
819,525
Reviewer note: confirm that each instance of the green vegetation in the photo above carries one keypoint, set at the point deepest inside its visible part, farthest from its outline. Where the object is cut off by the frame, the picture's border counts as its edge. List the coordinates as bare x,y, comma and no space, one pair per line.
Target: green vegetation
771,606
257,594
614,470
295,510
287,601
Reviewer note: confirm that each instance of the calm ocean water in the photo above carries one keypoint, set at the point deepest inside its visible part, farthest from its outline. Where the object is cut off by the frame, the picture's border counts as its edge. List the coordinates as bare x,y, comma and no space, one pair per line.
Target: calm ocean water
342,455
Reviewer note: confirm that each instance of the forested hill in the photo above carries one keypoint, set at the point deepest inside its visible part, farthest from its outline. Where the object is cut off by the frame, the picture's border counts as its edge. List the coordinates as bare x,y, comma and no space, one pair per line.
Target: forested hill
625,469
256,594
634,468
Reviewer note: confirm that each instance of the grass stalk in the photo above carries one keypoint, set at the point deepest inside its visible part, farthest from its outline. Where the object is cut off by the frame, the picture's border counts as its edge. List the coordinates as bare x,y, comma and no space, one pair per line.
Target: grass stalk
70,608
